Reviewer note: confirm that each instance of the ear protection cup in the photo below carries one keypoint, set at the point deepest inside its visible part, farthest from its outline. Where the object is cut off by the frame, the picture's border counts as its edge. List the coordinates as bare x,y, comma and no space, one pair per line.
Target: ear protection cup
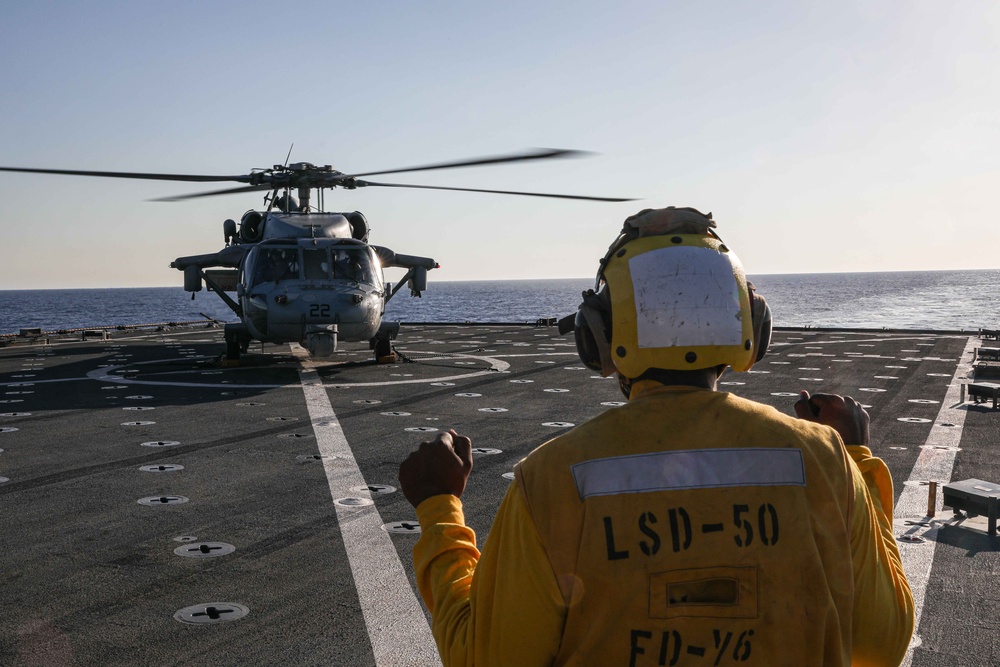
586,346
592,331
760,316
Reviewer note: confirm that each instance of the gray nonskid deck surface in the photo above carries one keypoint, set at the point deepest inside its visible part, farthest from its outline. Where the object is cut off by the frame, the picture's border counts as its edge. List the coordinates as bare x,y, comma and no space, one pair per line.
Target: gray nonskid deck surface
90,576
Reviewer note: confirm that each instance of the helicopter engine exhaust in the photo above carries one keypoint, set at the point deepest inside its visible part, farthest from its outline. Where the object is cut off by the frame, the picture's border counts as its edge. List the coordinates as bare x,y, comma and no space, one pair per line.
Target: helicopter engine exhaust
321,340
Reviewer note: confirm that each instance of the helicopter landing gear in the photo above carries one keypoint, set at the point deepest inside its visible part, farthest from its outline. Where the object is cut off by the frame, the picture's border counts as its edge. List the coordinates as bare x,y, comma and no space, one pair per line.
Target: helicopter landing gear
383,351
382,343
237,341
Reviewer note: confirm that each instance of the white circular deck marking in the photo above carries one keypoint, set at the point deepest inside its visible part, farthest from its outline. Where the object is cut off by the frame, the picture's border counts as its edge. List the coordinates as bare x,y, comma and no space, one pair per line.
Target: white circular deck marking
211,612
923,400
469,394
7,429
556,391
521,381
160,443
614,404
913,420
420,429
165,467
374,489
558,424
155,501
205,550
351,501
486,451
492,410
402,527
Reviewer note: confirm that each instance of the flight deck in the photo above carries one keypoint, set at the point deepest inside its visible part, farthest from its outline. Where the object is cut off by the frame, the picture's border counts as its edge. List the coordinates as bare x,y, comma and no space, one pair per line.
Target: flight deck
161,508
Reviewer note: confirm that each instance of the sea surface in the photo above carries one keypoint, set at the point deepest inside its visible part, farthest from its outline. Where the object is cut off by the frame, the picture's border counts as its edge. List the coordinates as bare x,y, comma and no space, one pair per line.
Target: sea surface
939,300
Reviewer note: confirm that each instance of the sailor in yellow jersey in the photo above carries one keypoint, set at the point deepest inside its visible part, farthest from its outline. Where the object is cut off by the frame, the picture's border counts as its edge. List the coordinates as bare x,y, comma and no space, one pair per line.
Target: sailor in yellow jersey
688,527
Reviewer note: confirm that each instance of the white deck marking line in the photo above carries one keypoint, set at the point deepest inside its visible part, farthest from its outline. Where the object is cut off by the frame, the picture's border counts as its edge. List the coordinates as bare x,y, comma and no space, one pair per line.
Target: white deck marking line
852,341
105,375
397,628
932,465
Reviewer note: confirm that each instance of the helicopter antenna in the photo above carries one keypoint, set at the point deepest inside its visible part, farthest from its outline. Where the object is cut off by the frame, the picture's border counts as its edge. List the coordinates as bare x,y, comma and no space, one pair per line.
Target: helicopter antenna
269,198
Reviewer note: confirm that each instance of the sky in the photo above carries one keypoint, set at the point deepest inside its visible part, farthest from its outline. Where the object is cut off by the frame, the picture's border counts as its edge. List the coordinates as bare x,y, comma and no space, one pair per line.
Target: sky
860,135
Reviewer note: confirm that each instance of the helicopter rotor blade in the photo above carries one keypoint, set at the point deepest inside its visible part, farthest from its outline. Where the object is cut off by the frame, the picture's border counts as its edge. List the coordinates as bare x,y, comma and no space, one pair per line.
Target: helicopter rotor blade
197,178
496,192
230,191
538,154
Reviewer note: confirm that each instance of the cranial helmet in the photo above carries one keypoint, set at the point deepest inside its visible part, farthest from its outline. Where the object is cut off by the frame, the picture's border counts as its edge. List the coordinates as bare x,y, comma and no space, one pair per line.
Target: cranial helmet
671,295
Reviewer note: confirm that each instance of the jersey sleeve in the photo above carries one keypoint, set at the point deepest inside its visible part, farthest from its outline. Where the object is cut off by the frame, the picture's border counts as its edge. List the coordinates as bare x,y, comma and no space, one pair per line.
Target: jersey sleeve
500,607
883,609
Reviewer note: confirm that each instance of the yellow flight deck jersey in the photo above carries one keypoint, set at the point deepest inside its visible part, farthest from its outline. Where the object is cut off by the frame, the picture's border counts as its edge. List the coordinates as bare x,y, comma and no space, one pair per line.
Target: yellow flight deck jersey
689,527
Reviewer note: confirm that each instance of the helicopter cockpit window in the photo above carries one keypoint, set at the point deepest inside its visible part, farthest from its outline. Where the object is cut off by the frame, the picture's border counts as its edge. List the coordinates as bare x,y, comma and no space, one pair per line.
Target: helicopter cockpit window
276,264
354,264
316,264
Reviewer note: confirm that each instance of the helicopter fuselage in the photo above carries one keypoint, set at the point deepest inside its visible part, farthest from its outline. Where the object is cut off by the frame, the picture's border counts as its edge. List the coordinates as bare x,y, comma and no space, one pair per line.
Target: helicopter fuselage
308,278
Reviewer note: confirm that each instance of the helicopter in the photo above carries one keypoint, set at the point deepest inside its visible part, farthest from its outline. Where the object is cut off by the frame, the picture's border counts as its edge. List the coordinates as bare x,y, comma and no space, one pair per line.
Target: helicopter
302,274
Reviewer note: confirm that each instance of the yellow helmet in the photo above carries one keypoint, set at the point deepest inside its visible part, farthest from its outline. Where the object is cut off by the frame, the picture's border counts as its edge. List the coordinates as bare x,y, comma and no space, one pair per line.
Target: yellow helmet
671,295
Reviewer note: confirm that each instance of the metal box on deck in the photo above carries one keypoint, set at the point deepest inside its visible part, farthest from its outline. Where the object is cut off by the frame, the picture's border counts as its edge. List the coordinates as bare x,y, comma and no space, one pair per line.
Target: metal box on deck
974,497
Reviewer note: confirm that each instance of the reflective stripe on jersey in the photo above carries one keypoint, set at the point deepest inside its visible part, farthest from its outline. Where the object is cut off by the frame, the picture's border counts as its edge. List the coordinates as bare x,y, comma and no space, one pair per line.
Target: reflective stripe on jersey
689,469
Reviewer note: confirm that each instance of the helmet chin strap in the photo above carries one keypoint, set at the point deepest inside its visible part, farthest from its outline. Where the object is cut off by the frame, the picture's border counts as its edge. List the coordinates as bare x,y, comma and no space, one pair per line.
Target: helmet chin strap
625,384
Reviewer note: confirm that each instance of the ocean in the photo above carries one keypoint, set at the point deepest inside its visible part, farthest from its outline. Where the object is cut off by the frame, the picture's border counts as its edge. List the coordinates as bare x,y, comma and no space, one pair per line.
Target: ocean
939,300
